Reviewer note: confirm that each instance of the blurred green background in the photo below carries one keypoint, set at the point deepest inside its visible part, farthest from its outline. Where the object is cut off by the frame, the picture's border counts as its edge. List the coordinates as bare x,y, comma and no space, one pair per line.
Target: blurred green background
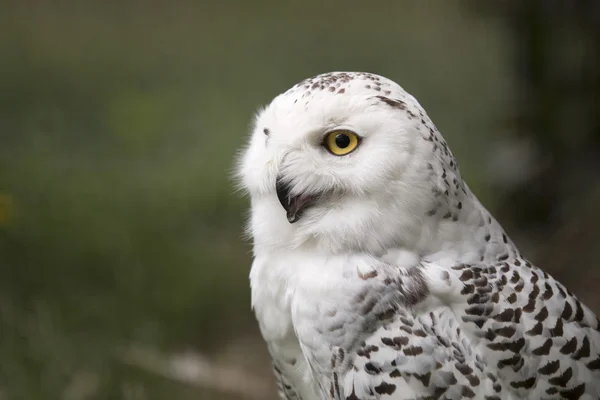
123,271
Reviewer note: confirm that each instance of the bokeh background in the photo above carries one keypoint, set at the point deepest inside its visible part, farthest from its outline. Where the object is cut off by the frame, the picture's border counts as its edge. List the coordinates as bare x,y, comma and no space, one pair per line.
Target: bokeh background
123,271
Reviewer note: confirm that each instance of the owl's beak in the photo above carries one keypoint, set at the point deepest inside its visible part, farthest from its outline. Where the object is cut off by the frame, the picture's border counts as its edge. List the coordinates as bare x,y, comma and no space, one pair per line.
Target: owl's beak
293,205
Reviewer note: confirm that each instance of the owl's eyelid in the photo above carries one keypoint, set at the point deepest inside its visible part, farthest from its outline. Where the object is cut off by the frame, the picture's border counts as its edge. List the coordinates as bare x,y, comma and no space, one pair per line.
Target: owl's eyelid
339,129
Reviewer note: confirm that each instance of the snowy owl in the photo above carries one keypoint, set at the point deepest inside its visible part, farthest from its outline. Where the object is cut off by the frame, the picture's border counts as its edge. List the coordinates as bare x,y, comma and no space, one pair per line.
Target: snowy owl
377,274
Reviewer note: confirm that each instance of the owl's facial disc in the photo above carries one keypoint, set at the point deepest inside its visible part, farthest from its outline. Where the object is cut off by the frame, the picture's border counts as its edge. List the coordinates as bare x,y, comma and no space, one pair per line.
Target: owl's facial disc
294,205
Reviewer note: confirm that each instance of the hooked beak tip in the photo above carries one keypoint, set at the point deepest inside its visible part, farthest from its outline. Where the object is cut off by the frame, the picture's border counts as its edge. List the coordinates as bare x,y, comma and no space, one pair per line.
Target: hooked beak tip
293,205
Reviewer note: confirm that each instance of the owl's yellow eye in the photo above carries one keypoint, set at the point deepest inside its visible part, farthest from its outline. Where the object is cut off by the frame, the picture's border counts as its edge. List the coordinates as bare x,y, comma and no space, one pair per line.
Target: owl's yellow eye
341,143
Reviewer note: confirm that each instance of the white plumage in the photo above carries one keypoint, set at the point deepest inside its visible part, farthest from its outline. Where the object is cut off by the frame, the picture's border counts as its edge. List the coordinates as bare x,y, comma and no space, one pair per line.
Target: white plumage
377,274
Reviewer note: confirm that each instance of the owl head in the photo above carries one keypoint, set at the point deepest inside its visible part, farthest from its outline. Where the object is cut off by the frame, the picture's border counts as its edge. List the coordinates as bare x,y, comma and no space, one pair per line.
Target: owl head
347,161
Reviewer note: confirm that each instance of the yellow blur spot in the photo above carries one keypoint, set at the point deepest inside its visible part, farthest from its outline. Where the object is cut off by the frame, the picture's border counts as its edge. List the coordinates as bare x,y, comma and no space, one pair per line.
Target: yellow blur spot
6,208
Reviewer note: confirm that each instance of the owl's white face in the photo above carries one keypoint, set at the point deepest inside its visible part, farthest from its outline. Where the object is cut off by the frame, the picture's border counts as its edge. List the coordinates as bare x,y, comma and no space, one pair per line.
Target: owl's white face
343,161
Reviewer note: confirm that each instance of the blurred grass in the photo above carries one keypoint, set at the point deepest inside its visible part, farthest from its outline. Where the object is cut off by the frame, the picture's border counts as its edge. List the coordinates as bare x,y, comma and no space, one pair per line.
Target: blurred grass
118,127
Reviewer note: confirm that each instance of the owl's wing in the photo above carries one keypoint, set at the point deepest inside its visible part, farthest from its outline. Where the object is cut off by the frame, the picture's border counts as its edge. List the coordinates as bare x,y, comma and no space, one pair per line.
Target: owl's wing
284,387
507,330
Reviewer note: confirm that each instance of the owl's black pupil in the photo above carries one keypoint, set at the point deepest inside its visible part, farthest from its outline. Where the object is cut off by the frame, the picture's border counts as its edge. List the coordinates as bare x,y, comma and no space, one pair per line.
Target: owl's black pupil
342,140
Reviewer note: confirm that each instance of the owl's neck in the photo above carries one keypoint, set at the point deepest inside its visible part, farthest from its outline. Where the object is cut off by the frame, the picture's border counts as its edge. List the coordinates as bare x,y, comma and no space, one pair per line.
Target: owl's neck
461,230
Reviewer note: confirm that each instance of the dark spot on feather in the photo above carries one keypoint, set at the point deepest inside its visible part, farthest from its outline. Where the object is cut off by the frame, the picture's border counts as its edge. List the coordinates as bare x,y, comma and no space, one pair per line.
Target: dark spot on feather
371,369
473,380
544,349
387,314
505,316
368,275
594,365
519,286
466,275
573,394
467,289
562,379
584,351
550,367
392,103
413,350
507,331
352,395
395,373
525,384
536,330
530,306
579,313
542,315
558,328
569,347
401,340
419,332
548,293
385,388
423,378
463,368
567,311
406,329
467,392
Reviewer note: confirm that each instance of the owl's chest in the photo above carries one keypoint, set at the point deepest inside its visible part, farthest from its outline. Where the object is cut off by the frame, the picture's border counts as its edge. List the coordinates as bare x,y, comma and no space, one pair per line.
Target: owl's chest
272,297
